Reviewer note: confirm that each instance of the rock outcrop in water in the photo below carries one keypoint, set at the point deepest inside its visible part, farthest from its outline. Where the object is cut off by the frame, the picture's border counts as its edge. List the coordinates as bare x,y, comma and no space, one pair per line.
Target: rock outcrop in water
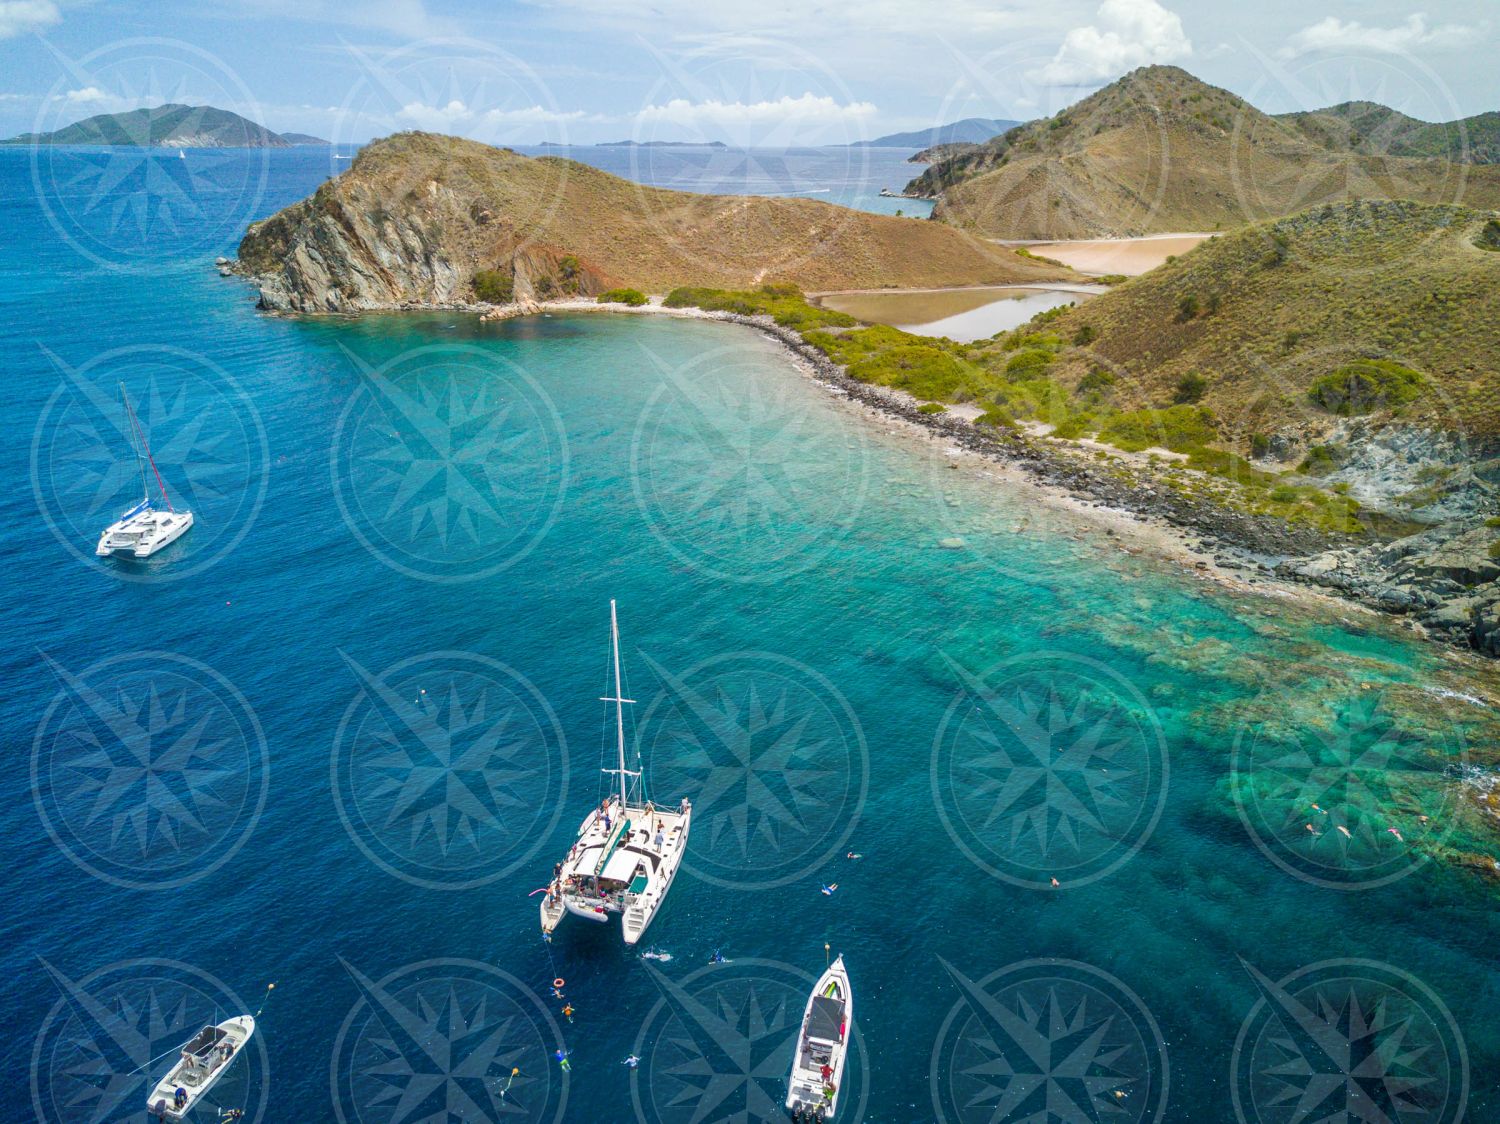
416,217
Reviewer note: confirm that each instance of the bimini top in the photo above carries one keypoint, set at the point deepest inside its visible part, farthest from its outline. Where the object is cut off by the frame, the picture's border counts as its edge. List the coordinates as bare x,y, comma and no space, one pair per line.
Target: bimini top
623,862
825,1019
203,1043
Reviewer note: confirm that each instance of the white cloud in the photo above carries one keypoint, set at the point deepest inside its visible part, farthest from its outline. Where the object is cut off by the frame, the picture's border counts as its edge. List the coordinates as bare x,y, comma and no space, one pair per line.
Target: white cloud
457,114
93,100
1333,34
805,119
19,17
1125,34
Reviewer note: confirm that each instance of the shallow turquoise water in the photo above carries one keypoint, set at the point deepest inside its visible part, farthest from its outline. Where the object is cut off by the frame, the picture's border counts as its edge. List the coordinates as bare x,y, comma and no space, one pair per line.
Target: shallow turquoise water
837,643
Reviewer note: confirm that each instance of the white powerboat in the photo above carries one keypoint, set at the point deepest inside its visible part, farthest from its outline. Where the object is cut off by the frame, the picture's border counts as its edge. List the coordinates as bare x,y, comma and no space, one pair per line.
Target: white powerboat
202,1061
822,1047
145,528
628,850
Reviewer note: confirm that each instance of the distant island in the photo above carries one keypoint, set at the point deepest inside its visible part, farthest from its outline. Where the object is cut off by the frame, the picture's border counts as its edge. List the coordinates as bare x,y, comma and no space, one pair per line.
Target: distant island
971,130
169,126
661,144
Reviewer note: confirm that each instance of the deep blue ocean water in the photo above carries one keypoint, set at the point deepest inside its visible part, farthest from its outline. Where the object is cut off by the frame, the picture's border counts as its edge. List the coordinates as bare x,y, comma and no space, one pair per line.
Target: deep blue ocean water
336,735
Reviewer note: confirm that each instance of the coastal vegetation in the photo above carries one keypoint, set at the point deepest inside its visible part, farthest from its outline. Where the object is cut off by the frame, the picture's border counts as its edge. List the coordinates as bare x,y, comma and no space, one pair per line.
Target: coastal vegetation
633,297
1362,309
1013,379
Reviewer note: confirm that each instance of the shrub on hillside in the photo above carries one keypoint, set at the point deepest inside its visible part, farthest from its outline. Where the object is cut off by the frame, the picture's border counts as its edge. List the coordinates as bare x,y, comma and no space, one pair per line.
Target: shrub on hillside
494,287
1366,385
1085,335
1179,428
633,297
923,371
1190,388
1489,236
932,408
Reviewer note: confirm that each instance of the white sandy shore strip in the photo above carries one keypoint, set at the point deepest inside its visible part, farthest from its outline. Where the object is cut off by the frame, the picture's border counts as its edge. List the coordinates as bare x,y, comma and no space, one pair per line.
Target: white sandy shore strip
1129,257
1134,533
1041,286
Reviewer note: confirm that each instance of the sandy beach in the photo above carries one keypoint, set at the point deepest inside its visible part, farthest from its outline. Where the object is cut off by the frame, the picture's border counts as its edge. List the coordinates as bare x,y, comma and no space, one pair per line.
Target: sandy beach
1129,257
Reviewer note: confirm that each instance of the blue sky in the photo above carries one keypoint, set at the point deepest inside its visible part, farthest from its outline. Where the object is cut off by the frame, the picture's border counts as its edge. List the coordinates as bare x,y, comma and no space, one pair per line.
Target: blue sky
766,72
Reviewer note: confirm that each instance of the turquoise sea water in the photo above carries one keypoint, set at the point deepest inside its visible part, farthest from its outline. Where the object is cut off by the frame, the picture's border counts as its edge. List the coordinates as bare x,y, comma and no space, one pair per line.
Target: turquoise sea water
335,736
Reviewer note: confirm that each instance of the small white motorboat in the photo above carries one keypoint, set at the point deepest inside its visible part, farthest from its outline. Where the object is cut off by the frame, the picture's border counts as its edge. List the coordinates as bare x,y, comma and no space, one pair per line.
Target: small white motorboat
201,1062
145,528
822,1046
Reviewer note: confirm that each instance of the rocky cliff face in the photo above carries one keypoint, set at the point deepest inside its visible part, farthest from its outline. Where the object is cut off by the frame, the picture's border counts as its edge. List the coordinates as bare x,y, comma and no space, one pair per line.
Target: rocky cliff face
343,252
416,216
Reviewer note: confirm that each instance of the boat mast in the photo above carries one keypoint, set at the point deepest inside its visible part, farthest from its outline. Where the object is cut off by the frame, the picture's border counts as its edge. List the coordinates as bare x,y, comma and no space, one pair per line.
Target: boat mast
142,445
614,635
135,444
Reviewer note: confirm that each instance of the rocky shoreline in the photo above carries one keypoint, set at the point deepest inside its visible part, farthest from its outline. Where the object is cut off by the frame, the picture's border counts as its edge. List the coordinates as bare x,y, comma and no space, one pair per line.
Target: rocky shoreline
1442,580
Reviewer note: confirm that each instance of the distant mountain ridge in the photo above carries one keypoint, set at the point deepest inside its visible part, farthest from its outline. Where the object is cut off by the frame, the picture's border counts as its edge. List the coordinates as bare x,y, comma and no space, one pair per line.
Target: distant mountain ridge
971,130
1375,129
1160,151
169,126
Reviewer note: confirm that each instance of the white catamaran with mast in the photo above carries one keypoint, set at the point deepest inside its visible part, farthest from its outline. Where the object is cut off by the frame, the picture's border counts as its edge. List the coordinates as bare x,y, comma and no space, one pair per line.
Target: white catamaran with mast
145,528
628,849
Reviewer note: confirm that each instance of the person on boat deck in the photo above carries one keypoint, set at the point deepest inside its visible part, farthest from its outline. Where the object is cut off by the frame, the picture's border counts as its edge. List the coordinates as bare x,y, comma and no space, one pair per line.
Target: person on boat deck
179,1097
826,1072
660,838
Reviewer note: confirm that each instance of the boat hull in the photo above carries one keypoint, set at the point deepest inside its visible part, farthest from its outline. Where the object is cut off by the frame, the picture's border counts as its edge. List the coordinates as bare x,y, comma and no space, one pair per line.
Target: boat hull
142,535
817,1075
196,1081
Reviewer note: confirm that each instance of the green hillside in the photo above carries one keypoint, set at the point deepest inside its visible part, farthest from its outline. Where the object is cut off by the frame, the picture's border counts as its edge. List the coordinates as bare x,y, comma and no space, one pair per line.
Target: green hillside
1263,314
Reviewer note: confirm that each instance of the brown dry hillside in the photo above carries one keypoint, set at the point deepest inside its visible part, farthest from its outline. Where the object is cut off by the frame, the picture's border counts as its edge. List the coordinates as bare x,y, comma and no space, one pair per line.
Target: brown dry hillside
416,216
1264,312
1161,151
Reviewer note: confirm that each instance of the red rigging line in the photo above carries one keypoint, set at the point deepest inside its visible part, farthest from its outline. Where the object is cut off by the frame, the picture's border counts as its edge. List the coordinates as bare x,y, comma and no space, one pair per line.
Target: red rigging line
140,437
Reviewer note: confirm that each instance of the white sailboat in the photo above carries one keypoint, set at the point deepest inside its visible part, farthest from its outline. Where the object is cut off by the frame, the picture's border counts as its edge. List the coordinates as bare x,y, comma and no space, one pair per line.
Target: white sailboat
202,1060
628,849
822,1047
145,528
